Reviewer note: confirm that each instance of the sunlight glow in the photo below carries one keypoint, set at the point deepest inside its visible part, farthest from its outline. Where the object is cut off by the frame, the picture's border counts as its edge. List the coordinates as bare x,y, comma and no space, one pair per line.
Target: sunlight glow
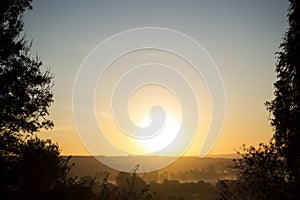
164,138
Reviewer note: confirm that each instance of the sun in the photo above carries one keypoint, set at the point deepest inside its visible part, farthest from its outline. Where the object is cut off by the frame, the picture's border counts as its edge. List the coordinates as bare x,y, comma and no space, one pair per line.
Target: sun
163,138
142,146
139,115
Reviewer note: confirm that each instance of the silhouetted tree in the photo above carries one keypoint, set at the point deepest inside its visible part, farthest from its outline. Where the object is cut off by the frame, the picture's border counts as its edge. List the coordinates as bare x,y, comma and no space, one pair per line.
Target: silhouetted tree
285,108
30,168
272,170
41,167
25,92
38,171
132,187
260,175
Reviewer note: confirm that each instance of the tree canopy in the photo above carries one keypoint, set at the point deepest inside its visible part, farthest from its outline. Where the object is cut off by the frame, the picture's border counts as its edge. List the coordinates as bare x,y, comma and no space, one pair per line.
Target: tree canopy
29,166
285,107
271,171
25,92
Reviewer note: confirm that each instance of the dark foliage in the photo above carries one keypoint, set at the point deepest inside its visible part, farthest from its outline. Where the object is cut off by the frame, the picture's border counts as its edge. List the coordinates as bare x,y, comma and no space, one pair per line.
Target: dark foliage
285,108
30,168
132,187
272,170
128,187
173,189
259,175
33,169
25,92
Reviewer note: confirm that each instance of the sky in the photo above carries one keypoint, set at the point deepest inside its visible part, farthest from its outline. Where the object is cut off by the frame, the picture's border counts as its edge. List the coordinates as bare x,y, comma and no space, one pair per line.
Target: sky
240,36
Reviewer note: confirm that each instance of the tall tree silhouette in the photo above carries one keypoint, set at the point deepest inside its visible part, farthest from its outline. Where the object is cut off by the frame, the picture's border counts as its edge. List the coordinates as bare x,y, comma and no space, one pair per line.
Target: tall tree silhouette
28,166
25,92
285,108
271,171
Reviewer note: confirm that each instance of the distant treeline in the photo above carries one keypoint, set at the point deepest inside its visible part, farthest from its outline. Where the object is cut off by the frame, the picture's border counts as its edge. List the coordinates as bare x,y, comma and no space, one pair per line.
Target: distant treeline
186,169
187,178
127,183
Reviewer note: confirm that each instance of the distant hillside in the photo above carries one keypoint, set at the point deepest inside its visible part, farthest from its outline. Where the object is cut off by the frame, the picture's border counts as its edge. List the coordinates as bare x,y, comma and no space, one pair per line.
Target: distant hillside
183,169
231,156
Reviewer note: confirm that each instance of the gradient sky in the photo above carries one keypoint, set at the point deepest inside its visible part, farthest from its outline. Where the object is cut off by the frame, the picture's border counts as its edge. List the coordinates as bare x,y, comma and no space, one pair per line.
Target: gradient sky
241,36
